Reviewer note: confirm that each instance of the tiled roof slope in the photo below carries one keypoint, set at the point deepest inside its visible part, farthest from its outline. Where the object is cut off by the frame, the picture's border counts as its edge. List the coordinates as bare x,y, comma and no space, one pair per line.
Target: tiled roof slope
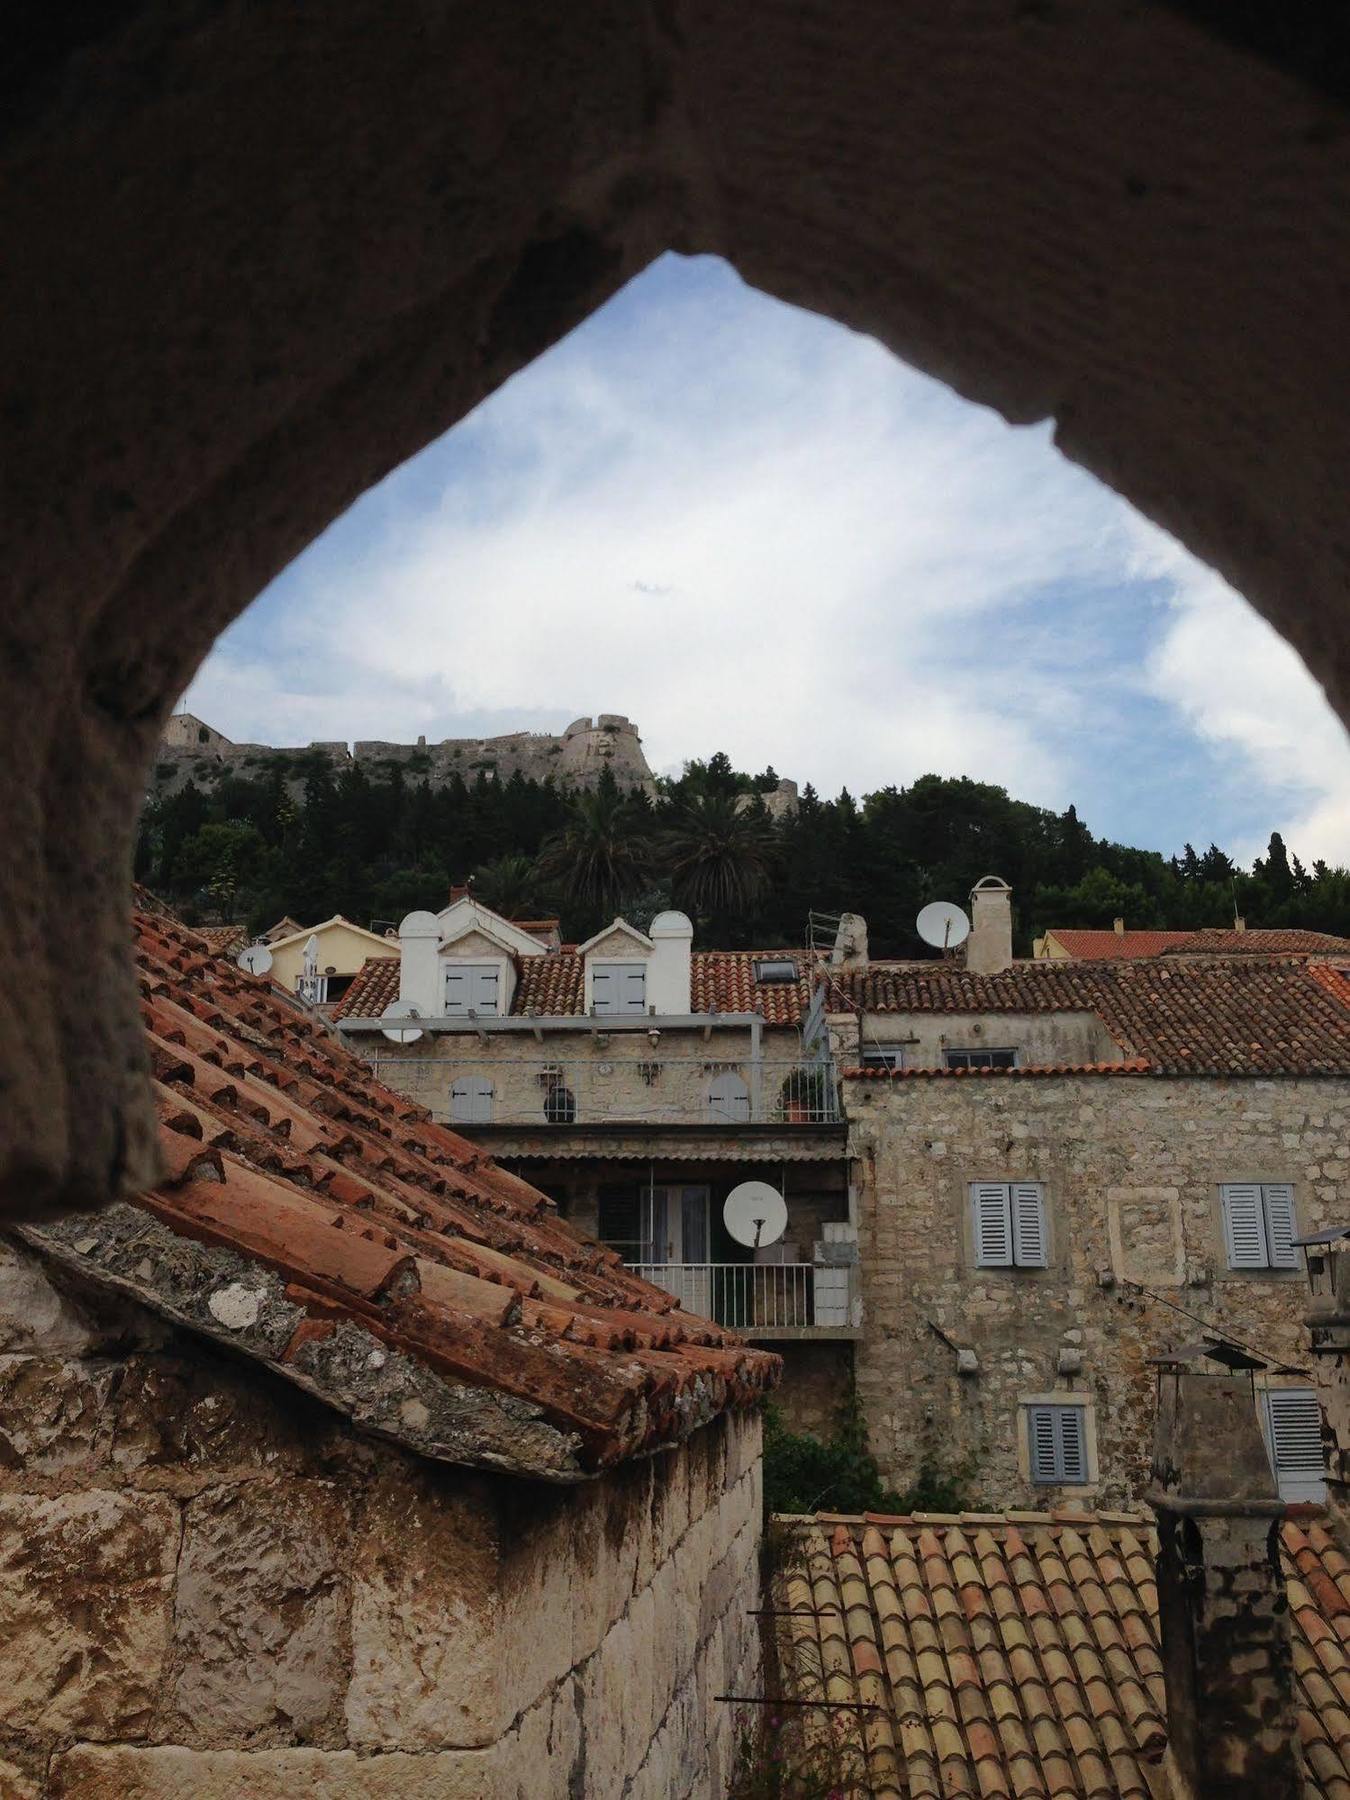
553,986
318,1220
1017,1655
1093,946
1204,1017
1113,946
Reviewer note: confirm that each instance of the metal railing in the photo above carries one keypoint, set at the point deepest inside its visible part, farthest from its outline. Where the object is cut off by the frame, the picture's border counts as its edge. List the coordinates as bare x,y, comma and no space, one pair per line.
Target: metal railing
760,1297
597,1089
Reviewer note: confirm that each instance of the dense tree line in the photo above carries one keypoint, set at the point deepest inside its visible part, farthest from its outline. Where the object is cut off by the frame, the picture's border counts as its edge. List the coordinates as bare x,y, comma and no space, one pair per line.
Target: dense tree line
376,846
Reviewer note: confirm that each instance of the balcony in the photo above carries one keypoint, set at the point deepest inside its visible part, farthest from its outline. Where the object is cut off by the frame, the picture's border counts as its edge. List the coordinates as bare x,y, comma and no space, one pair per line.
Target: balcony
615,1086
780,1301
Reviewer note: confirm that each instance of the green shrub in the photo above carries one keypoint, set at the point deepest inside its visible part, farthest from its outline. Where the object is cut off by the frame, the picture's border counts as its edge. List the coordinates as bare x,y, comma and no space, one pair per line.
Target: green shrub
805,1474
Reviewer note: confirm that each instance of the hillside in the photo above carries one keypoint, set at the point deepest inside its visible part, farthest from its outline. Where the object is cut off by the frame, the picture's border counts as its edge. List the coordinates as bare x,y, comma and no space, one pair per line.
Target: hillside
375,845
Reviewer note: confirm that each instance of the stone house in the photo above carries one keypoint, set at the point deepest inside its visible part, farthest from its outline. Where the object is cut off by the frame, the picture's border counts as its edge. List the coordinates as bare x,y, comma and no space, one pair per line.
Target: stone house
1063,1169
640,1081
339,1463
1112,946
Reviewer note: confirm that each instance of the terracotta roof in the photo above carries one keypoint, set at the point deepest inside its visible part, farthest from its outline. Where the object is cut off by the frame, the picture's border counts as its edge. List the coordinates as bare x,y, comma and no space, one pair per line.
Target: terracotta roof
1131,1065
1018,1655
1240,1016
374,986
1113,946
223,940
315,1219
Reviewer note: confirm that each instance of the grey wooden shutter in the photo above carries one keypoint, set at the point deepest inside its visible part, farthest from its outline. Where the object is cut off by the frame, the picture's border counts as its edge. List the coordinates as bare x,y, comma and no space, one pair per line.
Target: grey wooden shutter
456,991
1244,1226
993,1225
1280,1227
471,1101
1295,1419
619,987
728,1099
1072,1448
1028,1225
1041,1438
483,987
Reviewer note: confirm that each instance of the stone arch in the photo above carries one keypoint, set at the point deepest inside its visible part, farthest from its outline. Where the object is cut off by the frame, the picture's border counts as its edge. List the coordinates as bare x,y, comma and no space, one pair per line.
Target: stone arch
257,259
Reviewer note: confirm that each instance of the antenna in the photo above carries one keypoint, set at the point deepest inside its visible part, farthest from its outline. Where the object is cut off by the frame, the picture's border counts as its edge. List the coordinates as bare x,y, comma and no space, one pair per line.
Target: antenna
254,959
401,1032
755,1214
943,925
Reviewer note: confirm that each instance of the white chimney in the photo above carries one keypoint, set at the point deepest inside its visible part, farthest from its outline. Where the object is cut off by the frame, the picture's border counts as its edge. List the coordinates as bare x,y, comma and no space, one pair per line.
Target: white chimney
850,942
669,967
989,946
419,968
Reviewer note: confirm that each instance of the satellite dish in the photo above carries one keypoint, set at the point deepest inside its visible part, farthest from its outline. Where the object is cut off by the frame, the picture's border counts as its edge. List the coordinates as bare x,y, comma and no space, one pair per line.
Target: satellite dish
755,1214
401,1033
943,925
254,959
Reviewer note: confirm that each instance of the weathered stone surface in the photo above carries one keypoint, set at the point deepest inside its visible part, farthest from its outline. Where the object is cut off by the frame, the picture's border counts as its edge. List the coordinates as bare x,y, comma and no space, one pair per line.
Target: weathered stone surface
260,1615
34,1315
85,1597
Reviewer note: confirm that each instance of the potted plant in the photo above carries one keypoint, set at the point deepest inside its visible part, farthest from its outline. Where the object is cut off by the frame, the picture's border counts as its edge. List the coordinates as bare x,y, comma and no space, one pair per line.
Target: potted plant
805,1097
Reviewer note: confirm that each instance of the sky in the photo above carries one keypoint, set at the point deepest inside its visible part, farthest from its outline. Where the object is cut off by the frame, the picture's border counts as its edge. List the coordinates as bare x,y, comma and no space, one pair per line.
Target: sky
752,530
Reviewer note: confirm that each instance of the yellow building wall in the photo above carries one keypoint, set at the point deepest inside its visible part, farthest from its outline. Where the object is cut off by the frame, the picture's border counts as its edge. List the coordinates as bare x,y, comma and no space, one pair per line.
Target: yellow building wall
342,946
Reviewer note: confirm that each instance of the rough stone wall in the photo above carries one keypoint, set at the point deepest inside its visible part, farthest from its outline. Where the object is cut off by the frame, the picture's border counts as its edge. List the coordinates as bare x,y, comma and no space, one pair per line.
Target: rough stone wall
815,1385
1053,1039
1132,1167
210,1586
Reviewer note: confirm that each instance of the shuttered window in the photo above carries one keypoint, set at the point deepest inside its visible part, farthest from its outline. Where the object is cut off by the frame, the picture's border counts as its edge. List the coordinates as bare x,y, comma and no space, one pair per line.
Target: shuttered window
472,987
1294,1433
1258,1225
1057,1440
619,987
728,1099
1009,1224
471,1101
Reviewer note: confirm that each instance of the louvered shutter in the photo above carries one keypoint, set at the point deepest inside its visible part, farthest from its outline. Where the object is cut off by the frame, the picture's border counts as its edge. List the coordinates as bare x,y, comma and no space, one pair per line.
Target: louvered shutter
1244,1227
993,1225
1280,1227
1072,1448
1041,1438
1028,1225
1295,1420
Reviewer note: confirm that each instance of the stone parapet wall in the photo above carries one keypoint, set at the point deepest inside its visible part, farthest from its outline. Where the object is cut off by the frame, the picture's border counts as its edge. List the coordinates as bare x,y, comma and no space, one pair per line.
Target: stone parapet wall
210,1585
1132,1167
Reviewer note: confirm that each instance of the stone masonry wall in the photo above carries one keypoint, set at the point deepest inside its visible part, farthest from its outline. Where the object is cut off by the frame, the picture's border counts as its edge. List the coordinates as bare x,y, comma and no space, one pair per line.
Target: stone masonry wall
210,1586
1132,1167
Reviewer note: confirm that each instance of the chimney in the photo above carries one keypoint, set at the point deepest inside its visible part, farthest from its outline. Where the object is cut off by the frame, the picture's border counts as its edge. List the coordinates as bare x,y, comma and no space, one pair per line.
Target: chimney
1328,1318
989,946
1222,1608
1119,927
670,966
419,971
1239,923
850,942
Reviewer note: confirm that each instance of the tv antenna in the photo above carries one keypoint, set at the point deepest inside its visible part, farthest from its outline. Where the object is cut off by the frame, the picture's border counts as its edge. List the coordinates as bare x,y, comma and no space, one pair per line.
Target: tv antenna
943,925
254,959
755,1214
400,1029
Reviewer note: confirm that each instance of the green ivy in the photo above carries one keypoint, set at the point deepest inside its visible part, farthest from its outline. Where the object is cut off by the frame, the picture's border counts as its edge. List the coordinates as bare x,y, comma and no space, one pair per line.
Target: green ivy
804,1473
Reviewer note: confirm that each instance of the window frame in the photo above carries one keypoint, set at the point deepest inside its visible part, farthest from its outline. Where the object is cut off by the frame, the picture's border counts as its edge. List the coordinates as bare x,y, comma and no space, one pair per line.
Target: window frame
1061,1472
1020,1253
982,1051
882,1056
1273,1231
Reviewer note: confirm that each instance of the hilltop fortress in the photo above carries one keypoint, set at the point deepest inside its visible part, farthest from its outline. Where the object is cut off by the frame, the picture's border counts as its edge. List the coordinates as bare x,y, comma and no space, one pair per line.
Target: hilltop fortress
192,750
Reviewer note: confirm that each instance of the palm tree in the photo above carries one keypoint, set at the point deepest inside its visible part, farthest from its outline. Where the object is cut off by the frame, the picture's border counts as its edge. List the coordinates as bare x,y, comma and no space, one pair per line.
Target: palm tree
510,885
602,855
720,853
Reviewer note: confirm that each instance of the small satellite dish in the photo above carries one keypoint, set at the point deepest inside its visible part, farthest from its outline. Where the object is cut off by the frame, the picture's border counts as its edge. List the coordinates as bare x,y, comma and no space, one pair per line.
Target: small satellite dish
943,925
755,1214
254,959
403,1033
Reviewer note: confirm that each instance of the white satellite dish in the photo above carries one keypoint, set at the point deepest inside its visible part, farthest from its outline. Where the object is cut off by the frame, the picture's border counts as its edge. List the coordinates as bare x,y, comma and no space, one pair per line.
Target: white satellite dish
755,1214
254,959
403,1033
943,925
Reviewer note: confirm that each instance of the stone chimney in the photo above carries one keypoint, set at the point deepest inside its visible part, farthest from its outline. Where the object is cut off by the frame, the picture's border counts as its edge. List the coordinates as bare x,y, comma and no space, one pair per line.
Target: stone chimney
989,946
1221,1596
1118,926
1328,1319
850,943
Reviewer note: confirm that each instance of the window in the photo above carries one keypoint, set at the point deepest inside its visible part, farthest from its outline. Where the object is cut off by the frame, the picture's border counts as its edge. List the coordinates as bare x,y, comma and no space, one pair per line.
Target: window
560,1105
619,987
1258,1225
883,1056
471,1101
471,987
1057,1445
728,1099
1009,1224
979,1059
774,971
1294,1433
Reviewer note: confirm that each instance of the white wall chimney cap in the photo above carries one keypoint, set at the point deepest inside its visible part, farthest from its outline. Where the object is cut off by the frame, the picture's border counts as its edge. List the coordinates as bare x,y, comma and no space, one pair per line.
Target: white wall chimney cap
670,925
420,925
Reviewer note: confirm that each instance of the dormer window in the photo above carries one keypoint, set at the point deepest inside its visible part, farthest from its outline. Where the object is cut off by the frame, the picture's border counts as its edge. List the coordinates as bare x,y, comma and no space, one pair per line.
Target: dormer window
775,971
472,987
619,987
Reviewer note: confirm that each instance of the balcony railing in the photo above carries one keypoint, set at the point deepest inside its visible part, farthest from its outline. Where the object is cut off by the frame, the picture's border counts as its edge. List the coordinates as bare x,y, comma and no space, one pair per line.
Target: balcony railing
616,1088
763,1299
